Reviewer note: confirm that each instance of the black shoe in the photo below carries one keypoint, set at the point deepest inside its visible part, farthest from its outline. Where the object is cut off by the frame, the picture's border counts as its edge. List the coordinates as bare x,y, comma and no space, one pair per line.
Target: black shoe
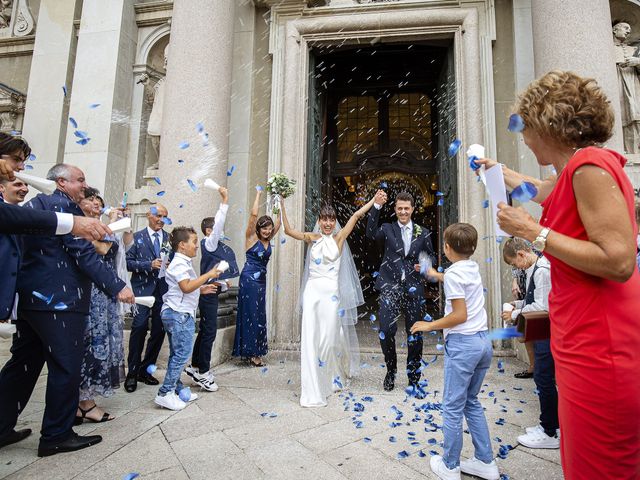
71,444
415,390
525,374
389,381
15,437
147,379
131,383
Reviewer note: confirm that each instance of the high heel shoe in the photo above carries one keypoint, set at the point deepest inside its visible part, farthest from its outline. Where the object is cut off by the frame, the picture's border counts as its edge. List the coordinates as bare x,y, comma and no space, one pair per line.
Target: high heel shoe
80,420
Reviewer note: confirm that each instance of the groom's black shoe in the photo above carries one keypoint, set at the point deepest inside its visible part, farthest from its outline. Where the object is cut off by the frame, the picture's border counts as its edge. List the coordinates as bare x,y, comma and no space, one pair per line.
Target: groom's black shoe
131,382
71,444
147,378
14,436
389,381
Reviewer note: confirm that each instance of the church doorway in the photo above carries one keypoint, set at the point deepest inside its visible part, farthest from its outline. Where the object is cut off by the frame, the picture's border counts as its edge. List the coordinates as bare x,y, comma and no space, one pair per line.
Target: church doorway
382,117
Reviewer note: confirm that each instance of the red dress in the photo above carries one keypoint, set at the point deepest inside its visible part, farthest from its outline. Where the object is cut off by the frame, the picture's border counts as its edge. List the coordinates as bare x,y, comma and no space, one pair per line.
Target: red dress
595,339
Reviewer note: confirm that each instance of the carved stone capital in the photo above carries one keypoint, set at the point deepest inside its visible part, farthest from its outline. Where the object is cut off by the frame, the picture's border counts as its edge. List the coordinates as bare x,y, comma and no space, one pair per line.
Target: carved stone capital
24,23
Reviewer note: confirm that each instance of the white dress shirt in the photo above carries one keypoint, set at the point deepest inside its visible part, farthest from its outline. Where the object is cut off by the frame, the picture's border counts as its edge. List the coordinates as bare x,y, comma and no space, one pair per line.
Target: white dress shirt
180,268
406,231
211,242
542,280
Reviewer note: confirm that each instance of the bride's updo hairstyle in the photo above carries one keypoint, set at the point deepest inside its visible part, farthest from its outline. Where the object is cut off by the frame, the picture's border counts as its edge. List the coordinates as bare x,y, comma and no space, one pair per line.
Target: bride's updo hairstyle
327,213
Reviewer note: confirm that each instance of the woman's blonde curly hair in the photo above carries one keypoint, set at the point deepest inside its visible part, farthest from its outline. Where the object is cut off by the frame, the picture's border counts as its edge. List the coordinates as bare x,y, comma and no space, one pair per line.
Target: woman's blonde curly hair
568,109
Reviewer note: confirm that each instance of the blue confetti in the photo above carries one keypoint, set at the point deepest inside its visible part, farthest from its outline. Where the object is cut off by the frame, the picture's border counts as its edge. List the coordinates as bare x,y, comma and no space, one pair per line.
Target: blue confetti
259,188
421,454
42,297
381,335
504,333
366,440
455,147
372,318
31,157
500,366
473,165
485,204
375,274
125,196
180,162
264,370
80,134
439,194
489,260
199,127
60,306
358,407
392,439
183,145
185,394
73,122
440,202
161,193
157,180
321,363
427,317
334,298
256,275
231,170
167,221
153,210
318,261
83,141
28,167
341,312
192,185
440,269
64,90
516,123
524,192
383,185
439,346
151,369
403,454
131,476
337,382
94,105
412,289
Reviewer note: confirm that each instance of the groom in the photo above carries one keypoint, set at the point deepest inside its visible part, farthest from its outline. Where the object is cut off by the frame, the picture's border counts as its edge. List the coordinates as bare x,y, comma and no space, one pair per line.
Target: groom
400,285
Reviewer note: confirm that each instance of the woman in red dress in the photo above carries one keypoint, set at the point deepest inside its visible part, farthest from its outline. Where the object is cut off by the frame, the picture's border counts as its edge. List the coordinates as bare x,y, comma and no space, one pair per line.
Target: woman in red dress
588,233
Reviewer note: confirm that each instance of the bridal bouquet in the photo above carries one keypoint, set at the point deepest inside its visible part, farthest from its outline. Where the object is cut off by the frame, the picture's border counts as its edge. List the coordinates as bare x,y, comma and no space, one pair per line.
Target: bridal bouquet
279,186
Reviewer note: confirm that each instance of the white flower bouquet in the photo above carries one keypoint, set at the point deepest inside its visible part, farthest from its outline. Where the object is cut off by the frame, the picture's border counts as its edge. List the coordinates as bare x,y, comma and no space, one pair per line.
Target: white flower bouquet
279,186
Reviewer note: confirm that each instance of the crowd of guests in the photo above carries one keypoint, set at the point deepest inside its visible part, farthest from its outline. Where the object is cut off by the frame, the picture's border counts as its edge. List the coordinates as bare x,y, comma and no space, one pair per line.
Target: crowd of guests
66,283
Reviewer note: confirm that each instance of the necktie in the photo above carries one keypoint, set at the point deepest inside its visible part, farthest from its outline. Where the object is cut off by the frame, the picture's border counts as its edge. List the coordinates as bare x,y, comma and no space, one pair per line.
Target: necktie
406,238
156,244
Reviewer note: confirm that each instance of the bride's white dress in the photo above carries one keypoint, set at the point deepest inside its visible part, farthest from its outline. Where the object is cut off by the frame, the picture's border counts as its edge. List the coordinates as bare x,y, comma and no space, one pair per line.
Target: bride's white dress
324,350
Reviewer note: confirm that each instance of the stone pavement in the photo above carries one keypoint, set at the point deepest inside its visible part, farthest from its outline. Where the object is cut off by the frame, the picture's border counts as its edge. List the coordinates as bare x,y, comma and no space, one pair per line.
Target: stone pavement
253,428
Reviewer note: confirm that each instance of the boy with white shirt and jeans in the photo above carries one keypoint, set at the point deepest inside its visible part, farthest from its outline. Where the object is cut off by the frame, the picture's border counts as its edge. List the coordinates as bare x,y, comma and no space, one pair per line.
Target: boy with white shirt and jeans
467,358
178,312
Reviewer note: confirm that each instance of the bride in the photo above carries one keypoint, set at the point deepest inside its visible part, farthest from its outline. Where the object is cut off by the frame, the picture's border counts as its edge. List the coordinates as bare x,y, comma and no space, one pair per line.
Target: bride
330,296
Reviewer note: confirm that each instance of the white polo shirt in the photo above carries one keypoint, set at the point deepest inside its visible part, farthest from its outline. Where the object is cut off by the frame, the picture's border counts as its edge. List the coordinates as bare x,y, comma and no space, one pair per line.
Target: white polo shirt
462,280
180,268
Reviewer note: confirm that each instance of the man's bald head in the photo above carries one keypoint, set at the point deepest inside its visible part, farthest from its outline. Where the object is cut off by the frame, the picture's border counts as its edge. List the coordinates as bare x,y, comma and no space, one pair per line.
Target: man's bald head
156,215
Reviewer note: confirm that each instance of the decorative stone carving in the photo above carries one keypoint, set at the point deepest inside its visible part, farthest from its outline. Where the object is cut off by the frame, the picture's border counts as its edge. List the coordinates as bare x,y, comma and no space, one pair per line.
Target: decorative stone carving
6,12
628,66
15,18
154,125
11,109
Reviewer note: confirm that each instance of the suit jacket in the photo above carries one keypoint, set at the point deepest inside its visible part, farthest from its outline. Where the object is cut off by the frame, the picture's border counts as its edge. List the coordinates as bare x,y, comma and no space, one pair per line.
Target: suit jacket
394,262
61,267
21,221
9,266
144,279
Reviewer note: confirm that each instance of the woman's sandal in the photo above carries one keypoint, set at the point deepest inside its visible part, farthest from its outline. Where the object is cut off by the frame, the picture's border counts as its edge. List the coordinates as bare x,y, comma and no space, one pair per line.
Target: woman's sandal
80,420
254,364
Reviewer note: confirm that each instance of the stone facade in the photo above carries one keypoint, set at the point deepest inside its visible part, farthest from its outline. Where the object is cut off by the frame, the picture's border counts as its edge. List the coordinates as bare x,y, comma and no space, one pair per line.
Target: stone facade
240,68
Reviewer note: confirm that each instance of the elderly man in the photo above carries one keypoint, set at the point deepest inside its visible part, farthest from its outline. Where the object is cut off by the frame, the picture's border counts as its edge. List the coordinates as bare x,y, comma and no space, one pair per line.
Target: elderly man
55,290
144,261
13,192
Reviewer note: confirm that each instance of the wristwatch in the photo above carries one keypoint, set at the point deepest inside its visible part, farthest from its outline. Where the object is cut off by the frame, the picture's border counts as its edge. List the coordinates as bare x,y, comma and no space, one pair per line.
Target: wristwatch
541,240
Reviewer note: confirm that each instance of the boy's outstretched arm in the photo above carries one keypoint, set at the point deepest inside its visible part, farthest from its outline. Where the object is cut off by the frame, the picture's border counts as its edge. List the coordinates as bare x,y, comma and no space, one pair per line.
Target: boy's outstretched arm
456,317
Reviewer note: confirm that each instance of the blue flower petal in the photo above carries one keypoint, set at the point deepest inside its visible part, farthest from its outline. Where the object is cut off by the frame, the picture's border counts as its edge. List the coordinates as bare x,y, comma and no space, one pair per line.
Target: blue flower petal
60,306
231,170
183,145
94,105
42,297
455,147
516,123
503,333
151,369
192,185
381,335
161,193
157,180
524,192
73,122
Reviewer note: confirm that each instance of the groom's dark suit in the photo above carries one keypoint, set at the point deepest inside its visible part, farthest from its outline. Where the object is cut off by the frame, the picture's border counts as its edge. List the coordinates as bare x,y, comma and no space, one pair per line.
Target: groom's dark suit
398,295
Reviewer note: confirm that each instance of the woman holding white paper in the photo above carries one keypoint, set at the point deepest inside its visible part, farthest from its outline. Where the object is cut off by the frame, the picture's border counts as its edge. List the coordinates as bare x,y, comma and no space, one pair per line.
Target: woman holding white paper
588,234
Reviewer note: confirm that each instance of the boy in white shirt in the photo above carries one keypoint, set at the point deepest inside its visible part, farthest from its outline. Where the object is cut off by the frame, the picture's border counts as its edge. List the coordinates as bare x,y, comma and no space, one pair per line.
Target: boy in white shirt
178,312
467,358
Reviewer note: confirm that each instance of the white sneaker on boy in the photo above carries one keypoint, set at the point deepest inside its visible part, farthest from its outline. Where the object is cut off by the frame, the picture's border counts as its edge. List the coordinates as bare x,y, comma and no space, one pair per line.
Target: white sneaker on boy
170,401
442,471
204,380
473,466
538,428
538,439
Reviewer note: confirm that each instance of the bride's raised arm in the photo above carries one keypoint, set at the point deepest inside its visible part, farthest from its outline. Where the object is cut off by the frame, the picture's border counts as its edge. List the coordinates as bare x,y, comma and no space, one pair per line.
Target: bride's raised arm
342,235
304,236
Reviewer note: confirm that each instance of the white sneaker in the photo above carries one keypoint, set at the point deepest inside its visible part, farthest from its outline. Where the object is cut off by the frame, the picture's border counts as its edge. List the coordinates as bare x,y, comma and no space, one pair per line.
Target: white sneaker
537,428
204,380
473,466
538,439
194,396
170,401
440,469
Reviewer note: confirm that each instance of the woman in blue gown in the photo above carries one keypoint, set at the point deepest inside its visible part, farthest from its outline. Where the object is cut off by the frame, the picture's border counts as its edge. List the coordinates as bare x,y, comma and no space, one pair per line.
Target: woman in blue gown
251,322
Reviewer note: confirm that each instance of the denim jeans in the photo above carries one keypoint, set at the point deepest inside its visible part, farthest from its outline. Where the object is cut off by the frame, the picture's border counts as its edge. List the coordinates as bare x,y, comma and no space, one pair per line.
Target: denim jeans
466,361
544,376
180,328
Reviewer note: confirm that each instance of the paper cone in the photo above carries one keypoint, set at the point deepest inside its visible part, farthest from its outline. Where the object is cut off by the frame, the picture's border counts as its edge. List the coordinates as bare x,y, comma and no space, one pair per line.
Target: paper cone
45,186
476,150
222,266
507,307
146,301
122,225
211,184
7,330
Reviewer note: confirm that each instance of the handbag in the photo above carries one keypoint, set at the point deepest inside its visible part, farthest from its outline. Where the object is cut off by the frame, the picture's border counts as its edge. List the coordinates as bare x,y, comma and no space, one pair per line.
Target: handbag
534,326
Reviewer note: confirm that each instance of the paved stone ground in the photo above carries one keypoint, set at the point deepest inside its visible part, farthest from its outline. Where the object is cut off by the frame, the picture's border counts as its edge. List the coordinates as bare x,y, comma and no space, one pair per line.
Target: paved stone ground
223,435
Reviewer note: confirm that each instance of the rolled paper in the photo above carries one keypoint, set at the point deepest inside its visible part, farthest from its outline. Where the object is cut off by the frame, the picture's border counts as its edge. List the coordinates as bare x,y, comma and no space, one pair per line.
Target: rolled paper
45,186
146,301
476,150
223,266
507,307
211,184
122,225
7,330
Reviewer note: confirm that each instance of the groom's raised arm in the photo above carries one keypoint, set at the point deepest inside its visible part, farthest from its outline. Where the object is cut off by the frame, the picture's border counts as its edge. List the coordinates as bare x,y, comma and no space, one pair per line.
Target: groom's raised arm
373,231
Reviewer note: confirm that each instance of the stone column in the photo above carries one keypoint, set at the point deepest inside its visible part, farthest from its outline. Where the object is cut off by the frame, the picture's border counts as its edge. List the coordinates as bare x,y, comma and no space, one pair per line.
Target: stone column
198,90
576,35
101,98
45,122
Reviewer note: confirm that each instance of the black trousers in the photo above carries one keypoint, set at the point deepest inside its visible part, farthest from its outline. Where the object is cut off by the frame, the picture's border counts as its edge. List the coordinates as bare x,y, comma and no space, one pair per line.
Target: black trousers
544,375
55,338
206,333
393,302
138,335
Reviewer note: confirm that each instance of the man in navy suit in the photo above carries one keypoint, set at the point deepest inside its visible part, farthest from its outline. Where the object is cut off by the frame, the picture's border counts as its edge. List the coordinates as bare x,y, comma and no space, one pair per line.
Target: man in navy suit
400,285
54,286
144,261
14,191
213,251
